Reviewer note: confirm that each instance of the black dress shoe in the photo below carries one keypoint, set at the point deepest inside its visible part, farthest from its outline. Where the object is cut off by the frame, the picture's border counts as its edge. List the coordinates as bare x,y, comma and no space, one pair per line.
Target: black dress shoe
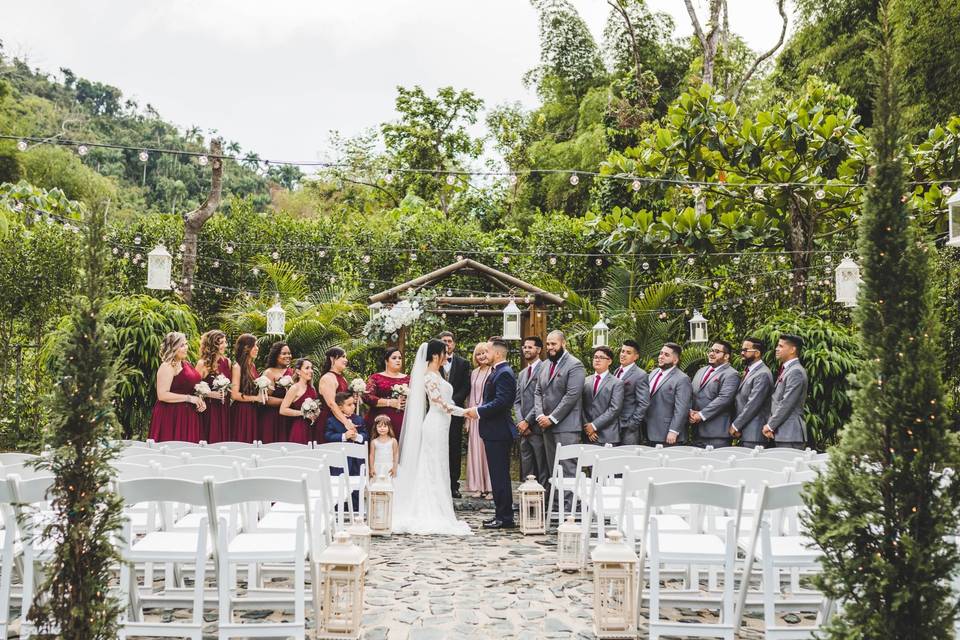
456,493
499,524
490,521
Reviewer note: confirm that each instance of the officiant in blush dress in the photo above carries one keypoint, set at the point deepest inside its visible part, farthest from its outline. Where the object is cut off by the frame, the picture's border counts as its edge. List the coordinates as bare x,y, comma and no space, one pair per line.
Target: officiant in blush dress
380,396
478,473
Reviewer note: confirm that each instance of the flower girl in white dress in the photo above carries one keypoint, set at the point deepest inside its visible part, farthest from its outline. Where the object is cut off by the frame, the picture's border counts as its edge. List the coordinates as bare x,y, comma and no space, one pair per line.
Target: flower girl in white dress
385,450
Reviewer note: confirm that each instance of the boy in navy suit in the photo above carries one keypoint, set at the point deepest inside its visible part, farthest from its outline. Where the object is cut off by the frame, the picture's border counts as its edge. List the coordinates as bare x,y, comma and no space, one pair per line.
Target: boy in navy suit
337,432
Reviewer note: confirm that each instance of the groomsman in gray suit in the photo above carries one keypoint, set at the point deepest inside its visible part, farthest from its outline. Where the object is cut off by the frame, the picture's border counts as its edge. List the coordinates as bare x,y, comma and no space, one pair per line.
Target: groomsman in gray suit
636,393
557,401
533,454
785,426
753,396
714,392
602,400
670,399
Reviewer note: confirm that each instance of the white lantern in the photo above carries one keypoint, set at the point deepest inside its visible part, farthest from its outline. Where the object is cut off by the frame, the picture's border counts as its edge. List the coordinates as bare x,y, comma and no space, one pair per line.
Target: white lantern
953,220
614,588
381,506
531,507
570,553
342,568
360,534
375,309
159,264
601,334
511,322
698,328
276,319
848,282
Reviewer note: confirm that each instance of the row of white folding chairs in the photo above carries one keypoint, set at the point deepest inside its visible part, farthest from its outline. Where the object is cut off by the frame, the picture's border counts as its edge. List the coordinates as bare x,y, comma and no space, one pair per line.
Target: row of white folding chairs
701,543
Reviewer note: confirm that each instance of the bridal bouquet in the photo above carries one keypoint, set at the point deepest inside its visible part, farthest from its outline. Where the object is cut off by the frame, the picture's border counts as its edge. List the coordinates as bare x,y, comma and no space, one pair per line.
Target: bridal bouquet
263,384
399,391
221,383
285,381
310,409
386,324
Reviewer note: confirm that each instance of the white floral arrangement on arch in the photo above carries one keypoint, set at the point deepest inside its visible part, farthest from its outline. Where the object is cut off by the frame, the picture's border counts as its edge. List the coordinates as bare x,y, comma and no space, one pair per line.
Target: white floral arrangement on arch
387,323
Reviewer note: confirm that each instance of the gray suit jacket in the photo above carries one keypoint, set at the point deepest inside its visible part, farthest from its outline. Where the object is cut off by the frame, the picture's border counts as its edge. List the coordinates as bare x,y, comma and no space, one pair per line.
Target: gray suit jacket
753,403
669,408
559,396
714,400
636,397
523,405
786,405
603,409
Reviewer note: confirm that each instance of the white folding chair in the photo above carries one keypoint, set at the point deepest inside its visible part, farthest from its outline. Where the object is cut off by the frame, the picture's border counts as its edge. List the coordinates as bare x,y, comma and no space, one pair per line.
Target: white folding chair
163,546
692,547
234,445
252,546
560,484
725,453
283,516
785,454
12,551
161,460
694,464
357,451
16,458
680,451
289,447
770,464
633,496
340,490
133,444
774,551
30,497
260,452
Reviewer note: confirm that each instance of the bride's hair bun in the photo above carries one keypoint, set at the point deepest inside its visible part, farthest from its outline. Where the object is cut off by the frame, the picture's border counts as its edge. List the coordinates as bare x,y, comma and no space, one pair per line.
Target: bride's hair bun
435,347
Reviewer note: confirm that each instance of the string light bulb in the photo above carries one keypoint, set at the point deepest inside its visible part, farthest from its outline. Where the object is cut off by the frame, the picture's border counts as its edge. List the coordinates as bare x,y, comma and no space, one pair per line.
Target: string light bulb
946,190
451,179
696,190
758,193
574,179
83,150
820,194
22,145
143,156
636,185
202,160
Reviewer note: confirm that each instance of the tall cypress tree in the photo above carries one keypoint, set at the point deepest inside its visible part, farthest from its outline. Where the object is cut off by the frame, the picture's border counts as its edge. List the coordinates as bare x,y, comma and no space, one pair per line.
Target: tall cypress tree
74,600
882,509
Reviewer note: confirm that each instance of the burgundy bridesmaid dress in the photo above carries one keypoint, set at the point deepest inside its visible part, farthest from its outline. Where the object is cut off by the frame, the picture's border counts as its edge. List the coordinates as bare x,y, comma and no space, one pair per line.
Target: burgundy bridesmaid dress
325,412
216,419
177,420
380,387
245,418
273,426
300,427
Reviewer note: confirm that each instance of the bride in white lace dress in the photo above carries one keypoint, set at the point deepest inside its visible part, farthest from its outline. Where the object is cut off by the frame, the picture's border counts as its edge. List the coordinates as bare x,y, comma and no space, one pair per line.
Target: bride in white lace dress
422,500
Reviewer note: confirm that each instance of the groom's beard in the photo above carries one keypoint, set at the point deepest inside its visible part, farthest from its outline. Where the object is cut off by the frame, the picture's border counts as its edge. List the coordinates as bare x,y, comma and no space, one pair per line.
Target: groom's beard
556,357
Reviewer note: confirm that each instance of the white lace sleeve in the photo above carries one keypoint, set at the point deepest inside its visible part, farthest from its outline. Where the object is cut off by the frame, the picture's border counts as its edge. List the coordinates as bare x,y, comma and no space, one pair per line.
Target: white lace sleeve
432,385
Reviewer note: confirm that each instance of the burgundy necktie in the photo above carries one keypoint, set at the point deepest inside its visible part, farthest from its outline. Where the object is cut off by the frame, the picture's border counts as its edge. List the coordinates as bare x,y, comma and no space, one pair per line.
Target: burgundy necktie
780,373
746,372
656,381
529,372
553,367
619,371
596,385
706,377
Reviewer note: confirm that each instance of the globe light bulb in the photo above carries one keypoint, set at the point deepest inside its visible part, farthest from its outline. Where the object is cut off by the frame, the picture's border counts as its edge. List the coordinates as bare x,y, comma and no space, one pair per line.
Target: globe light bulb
574,179
636,185
202,160
21,145
144,156
83,150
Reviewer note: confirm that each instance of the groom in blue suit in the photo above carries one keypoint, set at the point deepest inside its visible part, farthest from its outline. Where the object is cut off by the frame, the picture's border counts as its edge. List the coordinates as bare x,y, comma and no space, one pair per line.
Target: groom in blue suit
498,432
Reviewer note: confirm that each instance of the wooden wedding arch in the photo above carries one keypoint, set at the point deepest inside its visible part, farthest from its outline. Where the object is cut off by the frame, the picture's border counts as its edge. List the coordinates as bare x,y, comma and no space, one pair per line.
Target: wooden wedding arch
532,300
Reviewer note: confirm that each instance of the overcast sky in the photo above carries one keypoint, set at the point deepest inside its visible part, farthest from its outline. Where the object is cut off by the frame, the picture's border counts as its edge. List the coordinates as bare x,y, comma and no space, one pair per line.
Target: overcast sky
278,76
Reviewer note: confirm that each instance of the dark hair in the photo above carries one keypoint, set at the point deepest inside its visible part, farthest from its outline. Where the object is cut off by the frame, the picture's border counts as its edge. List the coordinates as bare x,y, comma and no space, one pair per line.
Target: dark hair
274,354
241,354
435,347
389,351
296,367
757,343
332,354
673,346
793,339
383,419
500,343
536,340
446,334
633,344
607,351
342,396
727,347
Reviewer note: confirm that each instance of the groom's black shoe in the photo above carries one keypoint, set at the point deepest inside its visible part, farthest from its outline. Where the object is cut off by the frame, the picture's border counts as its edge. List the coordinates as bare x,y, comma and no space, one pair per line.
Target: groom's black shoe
499,524
490,521
456,493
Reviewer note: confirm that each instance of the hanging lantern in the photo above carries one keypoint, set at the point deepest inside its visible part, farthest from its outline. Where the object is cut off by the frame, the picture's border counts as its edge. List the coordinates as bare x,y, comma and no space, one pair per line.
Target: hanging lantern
276,319
848,282
531,507
360,534
511,322
159,264
342,568
375,309
570,553
601,334
381,506
614,588
698,328
953,220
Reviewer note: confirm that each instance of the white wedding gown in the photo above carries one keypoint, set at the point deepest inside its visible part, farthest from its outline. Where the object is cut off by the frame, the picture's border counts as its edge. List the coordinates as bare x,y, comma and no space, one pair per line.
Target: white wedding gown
423,503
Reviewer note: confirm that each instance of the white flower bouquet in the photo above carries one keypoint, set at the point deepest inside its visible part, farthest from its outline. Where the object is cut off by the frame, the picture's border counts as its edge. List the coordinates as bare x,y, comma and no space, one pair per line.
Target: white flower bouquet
285,381
310,409
263,384
399,391
222,384
357,385
201,389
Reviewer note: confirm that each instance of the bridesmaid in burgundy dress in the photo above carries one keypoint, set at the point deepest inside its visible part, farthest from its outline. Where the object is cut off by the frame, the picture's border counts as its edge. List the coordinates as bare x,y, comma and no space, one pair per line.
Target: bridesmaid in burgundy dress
330,384
379,395
176,416
246,397
300,426
273,426
215,421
